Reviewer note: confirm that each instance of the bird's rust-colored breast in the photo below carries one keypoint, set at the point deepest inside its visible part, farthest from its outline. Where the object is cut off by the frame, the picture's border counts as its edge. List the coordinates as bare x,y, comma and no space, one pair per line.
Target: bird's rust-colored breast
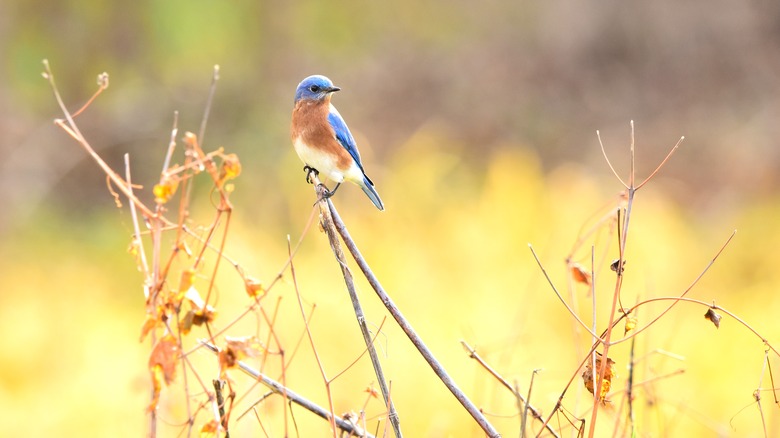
310,125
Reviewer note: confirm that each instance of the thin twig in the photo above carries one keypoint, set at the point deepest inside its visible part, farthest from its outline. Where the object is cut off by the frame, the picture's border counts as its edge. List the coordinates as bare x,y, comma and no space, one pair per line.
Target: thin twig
757,393
524,418
681,297
606,158
311,339
712,306
209,101
171,143
534,412
558,294
669,155
137,230
290,395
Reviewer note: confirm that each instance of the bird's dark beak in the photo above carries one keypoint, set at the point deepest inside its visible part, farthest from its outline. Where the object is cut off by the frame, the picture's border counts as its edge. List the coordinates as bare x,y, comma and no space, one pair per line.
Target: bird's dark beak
333,89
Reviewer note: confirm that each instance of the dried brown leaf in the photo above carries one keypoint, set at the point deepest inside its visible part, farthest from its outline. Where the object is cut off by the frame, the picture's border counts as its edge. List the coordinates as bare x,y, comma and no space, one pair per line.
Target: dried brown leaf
579,274
713,316
606,382
254,288
210,429
165,355
236,350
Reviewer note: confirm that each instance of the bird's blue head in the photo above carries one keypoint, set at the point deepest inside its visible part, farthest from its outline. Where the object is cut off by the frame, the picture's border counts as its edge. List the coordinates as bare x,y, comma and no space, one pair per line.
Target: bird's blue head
315,87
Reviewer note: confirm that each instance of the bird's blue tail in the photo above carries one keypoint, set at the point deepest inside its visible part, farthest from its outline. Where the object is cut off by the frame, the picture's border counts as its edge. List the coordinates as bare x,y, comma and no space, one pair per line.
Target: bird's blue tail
368,189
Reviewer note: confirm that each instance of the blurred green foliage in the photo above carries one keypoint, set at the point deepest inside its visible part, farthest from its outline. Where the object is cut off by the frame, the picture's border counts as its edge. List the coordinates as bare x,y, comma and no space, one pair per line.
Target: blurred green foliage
470,119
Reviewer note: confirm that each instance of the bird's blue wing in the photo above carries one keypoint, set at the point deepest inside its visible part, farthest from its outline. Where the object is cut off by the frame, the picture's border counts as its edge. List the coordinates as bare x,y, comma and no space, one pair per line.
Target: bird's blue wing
344,136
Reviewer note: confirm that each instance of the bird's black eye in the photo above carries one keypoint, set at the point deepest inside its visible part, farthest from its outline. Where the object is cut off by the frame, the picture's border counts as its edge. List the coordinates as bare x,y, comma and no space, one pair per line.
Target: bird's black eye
314,88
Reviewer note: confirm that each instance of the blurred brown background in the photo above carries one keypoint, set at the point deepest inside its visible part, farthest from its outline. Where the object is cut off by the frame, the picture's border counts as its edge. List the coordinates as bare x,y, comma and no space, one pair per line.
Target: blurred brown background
440,96
544,75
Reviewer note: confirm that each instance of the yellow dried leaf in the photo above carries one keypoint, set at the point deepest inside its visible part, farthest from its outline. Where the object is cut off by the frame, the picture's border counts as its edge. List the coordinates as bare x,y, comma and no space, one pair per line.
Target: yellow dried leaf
134,249
184,247
157,378
209,429
606,382
231,168
630,324
164,191
253,287
187,276
149,324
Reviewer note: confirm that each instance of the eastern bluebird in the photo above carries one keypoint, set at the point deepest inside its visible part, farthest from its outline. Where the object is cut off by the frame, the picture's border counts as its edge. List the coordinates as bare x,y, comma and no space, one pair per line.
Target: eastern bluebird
323,141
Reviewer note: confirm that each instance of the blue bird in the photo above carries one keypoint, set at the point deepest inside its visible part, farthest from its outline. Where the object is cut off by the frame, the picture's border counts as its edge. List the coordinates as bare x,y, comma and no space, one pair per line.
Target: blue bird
323,141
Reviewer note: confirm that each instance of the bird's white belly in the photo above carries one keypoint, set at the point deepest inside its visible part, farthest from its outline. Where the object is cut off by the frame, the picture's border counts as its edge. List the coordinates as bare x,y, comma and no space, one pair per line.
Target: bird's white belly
323,162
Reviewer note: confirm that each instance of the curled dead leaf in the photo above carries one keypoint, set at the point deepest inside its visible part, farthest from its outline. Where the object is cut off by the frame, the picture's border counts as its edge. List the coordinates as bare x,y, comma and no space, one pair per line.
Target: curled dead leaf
162,365
615,265
165,354
630,324
254,288
713,316
199,313
231,168
237,349
210,429
372,392
164,191
579,274
187,277
149,324
606,382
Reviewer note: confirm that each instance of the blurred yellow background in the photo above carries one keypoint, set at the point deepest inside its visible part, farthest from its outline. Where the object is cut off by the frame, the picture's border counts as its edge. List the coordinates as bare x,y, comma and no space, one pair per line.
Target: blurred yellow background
477,124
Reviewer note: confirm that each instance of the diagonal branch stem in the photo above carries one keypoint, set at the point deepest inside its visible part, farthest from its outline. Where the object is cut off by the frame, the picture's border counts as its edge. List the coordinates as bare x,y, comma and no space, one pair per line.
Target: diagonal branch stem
407,328
292,396
330,230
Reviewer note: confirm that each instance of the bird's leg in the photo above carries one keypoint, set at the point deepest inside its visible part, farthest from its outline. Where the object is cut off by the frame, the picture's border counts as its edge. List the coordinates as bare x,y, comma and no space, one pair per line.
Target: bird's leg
309,170
329,193
326,193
